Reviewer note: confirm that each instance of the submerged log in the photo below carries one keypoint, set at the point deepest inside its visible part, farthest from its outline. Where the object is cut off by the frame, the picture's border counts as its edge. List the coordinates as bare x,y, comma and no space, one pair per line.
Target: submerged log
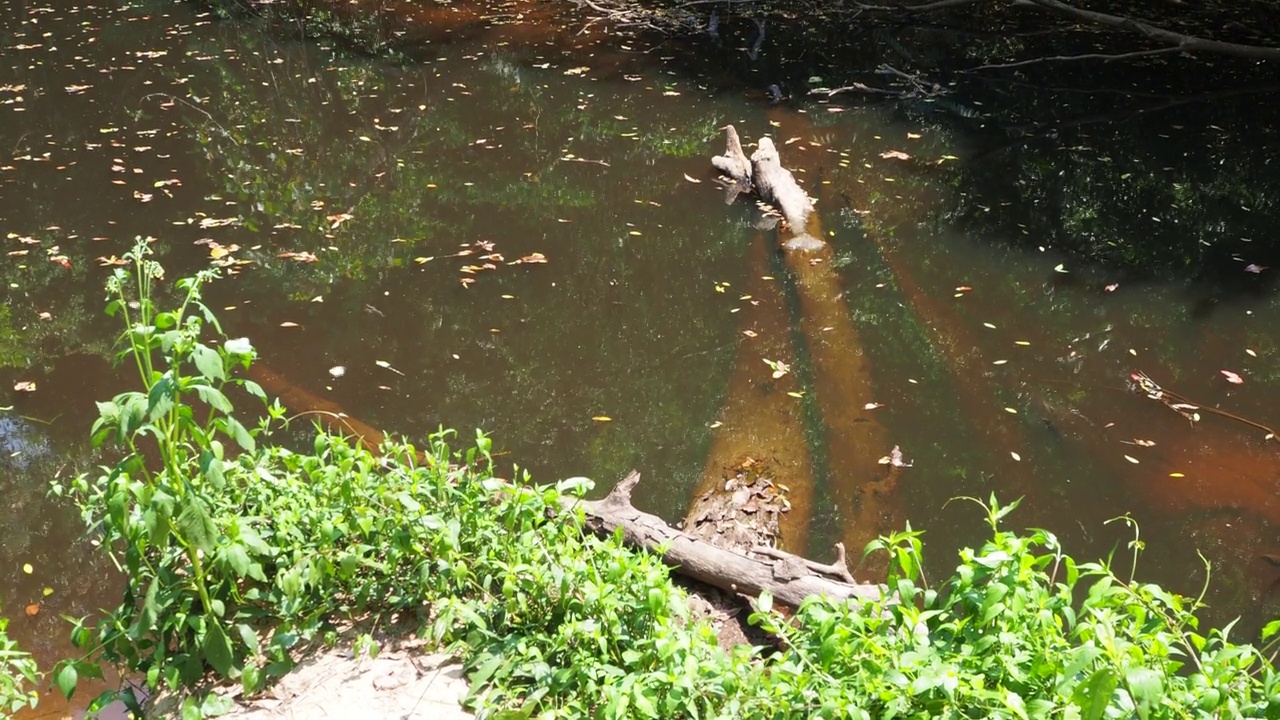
864,490
329,414
760,428
789,578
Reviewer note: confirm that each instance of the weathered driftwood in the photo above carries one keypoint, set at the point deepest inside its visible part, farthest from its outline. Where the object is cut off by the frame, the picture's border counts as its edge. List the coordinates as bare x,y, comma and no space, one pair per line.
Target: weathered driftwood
775,185
789,578
733,162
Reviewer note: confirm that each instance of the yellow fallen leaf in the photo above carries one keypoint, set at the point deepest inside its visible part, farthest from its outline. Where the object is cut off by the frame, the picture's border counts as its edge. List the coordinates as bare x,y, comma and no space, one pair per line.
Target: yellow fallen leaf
26,568
1176,475
602,418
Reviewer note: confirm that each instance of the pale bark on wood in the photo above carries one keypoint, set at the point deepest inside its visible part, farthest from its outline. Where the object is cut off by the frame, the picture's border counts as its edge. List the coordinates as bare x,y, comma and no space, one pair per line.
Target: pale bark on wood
774,184
789,578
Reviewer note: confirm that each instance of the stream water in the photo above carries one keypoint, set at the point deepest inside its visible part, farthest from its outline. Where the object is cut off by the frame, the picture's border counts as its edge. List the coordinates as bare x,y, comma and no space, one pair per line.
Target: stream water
391,218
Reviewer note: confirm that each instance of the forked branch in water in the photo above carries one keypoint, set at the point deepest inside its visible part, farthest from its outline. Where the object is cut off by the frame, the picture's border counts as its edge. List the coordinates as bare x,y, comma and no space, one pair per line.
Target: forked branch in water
1186,407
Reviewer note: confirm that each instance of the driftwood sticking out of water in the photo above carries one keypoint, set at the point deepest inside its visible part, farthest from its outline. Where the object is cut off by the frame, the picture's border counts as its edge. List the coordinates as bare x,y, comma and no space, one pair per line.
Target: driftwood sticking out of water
775,185
790,578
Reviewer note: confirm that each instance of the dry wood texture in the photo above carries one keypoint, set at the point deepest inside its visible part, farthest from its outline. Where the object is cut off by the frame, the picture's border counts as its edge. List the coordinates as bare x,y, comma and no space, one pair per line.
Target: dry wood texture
790,578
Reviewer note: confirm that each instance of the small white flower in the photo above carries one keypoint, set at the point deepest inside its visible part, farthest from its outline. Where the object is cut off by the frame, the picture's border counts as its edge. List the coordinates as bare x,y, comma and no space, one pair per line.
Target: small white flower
239,346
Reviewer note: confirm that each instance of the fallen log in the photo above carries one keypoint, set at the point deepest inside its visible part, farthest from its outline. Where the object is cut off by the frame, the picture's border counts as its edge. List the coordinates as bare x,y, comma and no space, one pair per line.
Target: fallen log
789,578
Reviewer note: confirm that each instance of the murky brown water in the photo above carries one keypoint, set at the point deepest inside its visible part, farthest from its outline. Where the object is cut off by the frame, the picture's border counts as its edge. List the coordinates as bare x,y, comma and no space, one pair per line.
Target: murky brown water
381,211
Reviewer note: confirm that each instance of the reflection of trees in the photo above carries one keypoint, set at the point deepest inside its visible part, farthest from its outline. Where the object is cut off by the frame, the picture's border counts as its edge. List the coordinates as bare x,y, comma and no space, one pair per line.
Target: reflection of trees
46,537
426,159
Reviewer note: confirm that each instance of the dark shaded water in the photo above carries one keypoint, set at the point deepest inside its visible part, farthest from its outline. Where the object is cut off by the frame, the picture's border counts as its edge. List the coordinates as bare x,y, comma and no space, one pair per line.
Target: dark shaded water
371,213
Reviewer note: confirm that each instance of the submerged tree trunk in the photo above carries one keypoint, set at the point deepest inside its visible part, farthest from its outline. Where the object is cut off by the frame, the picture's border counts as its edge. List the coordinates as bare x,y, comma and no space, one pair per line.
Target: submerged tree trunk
863,490
761,427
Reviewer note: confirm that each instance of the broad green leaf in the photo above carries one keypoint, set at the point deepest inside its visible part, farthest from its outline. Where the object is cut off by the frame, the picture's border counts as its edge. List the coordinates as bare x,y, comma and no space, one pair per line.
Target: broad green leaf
208,362
250,679
217,647
211,468
161,398
191,709
195,524
1094,695
239,433
65,678
213,397
147,618
249,638
254,389
216,705
1146,686
236,558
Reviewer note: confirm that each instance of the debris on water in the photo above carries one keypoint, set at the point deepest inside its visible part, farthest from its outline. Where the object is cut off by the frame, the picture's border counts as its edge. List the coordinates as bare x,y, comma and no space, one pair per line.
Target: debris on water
896,459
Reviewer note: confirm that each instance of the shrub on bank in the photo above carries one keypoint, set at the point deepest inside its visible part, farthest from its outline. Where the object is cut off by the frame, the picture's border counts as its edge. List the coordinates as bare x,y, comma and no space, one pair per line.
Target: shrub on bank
234,557
17,675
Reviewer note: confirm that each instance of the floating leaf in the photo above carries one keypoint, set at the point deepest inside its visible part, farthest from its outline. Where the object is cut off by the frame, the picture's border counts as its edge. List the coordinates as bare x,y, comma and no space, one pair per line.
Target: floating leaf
1131,459
602,418
1176,475
1015,456
895,155
387,366
1231,377
872,406
26,568
795,394
25,386
1060,268
289,324
691,179
33,609
337,371
1112,287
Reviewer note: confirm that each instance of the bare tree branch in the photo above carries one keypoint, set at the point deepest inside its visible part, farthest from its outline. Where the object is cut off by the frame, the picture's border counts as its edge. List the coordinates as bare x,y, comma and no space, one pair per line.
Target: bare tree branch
1086,56
927,7
1187,43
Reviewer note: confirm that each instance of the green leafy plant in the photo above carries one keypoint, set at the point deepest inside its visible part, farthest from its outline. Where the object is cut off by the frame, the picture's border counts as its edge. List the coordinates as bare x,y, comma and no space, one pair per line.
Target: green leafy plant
158,524
235,557
18,675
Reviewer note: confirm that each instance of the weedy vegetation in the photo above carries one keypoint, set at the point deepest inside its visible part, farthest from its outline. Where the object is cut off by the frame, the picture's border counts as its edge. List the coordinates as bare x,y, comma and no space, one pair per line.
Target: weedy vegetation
236,551
18,675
